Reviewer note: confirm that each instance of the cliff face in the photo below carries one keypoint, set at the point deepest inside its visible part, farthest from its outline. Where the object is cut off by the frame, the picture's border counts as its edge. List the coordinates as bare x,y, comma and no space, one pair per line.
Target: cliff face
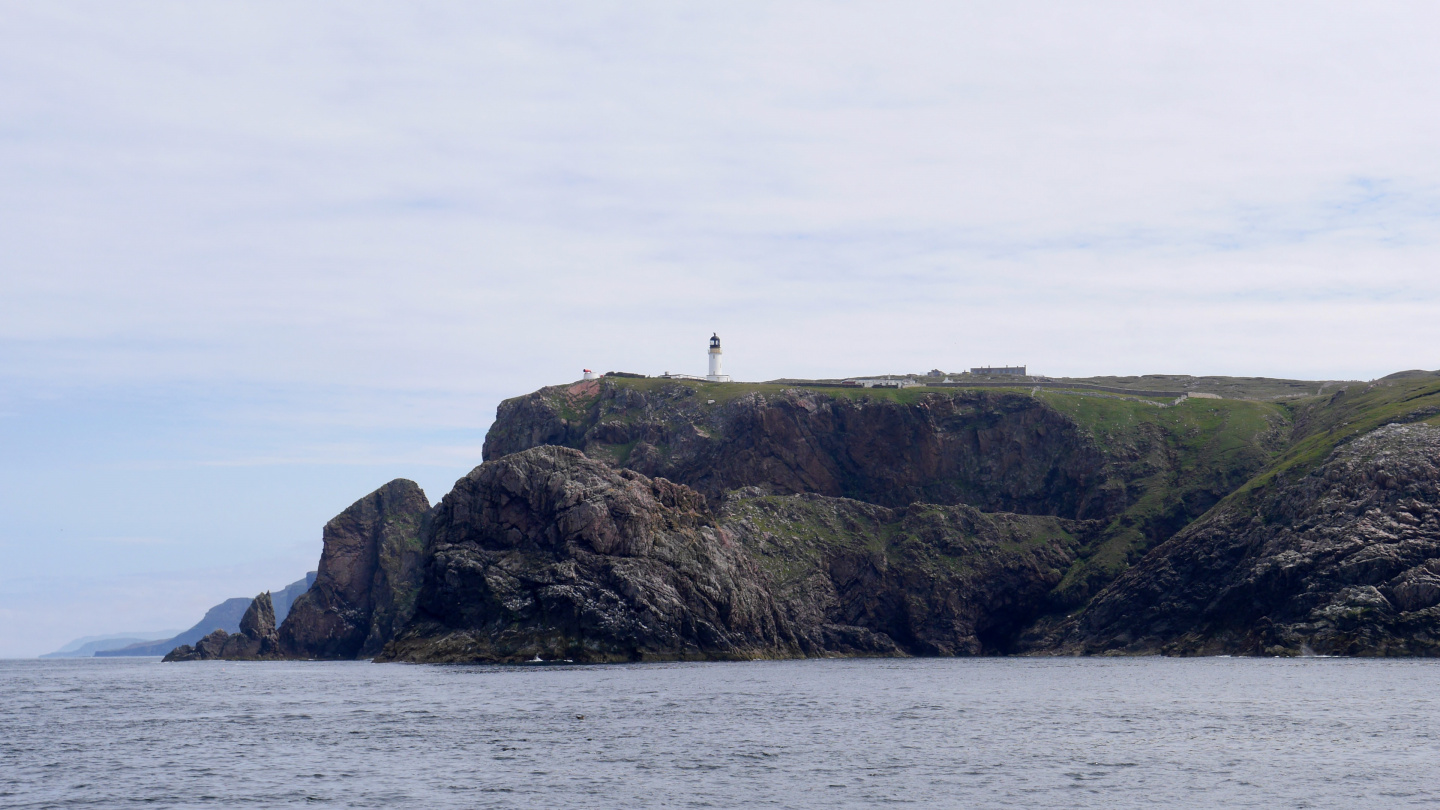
255,641
368,577
995,451
854,578
1344,560
1143,469
548,553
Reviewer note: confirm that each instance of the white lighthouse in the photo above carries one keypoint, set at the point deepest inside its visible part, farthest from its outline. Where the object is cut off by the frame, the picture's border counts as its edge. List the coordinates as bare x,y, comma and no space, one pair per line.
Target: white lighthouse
715,374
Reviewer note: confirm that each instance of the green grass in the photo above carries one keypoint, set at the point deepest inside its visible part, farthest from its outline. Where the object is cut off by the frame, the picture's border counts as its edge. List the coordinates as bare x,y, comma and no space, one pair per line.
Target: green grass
1325,423
1173,463
724,393
1220,438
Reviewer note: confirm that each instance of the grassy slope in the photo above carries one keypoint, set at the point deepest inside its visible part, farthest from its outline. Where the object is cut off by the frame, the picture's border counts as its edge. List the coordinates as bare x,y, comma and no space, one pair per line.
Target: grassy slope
1228,387
1324,423
1178,462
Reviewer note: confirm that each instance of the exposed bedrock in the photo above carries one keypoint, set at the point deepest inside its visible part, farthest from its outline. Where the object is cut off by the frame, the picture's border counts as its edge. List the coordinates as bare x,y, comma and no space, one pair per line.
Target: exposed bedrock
368,578
923,580
256,640
995,451
1345,560
1144,469
548,553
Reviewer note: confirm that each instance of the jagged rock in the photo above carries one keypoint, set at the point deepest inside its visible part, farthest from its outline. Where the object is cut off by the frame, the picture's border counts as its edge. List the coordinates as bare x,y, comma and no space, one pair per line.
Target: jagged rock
548,553
286,597
224,616
1345,561
256,640
227,614
368,577
259,618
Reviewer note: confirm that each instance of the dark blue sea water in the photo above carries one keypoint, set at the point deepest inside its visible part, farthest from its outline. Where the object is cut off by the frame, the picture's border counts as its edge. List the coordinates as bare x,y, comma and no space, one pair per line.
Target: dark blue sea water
858,733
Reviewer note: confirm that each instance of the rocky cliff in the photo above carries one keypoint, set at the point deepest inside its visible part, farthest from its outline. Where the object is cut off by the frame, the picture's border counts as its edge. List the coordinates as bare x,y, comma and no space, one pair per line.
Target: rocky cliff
368,577
926,579
997,451
547,553
1344,560
1145,468
256,639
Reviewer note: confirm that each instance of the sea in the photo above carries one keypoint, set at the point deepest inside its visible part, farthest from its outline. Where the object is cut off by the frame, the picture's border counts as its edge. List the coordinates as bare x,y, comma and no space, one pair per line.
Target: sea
964,733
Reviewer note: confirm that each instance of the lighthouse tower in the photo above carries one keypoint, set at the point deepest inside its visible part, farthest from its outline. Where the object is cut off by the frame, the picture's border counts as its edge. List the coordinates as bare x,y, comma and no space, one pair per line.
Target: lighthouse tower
715,375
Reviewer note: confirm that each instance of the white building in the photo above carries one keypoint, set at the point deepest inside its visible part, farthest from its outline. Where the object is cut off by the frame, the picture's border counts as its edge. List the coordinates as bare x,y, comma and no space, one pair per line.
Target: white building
879,382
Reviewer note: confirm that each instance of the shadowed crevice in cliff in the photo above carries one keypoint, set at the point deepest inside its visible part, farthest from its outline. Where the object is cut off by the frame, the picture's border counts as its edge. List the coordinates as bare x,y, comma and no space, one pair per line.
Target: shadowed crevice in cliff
932,579
368,578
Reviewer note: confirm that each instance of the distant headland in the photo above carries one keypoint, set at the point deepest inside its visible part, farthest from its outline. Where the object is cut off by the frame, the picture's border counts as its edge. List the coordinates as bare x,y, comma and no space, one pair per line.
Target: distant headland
623,517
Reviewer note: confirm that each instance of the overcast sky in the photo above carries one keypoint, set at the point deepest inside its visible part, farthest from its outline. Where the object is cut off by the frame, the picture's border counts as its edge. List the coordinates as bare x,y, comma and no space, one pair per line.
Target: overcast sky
256,259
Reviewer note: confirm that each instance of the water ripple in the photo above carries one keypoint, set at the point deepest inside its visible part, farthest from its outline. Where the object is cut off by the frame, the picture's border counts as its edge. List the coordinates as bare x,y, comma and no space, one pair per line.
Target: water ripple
935,733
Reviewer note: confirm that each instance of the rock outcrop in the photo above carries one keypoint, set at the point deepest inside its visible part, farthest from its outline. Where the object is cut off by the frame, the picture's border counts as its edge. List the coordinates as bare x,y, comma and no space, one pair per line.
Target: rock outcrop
854,578
224,616
1344,561
256,639
368,577
546,553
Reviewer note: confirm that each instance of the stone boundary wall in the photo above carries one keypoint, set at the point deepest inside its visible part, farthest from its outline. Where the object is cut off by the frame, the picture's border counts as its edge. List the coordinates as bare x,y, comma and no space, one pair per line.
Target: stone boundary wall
1017,384
1078,386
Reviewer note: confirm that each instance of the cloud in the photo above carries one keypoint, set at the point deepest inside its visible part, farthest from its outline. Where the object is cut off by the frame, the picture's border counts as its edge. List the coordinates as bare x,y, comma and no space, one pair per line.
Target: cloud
262,257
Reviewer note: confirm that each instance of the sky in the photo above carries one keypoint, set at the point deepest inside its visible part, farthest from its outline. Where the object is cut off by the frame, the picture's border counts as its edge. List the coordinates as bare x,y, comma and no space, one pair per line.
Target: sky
259,258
